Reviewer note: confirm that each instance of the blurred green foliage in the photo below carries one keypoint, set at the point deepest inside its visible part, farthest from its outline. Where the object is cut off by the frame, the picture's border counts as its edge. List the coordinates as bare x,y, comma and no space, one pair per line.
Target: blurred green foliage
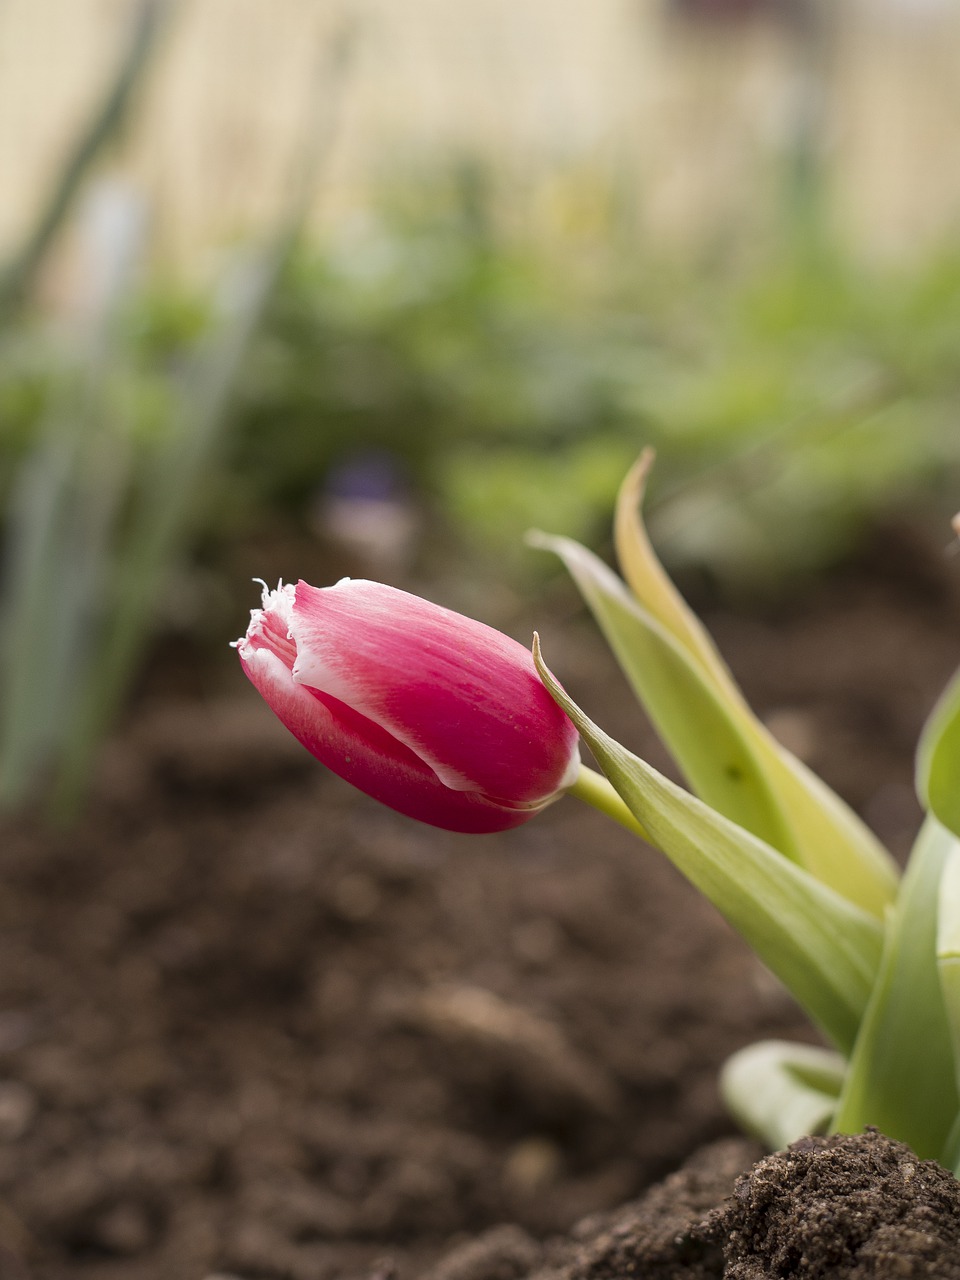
792,395
789,399
468,359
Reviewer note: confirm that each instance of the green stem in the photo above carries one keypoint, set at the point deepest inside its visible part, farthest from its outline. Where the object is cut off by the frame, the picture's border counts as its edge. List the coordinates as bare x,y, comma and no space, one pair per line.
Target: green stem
594,789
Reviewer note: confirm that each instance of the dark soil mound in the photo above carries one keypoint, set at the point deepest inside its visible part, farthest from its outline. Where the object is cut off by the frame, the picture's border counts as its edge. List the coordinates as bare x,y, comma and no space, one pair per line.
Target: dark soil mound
844,1208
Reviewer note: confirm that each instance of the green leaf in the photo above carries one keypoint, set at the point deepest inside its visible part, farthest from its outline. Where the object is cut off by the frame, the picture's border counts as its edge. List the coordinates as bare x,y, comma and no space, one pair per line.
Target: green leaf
823,949
699,727
650,583
948,948
938,759
951,1157
780,1091
902,1073
730,759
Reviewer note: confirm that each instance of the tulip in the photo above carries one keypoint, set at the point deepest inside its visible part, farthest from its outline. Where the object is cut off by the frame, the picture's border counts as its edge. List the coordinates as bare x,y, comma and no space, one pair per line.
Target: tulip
439,717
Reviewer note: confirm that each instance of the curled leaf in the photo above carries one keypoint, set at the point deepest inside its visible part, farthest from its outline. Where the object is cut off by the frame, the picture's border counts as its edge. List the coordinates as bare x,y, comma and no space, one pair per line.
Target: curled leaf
780,1091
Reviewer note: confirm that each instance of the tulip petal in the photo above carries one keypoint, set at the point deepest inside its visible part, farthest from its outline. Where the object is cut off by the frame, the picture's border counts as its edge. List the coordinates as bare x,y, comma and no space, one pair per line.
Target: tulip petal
463,698
367,756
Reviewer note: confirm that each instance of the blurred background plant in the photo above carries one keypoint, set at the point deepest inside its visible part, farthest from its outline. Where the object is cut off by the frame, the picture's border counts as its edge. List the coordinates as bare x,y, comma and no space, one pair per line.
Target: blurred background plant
476,338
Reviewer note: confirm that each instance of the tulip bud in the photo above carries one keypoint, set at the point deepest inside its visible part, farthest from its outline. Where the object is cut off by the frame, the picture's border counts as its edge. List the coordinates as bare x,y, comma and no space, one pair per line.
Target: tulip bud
437,716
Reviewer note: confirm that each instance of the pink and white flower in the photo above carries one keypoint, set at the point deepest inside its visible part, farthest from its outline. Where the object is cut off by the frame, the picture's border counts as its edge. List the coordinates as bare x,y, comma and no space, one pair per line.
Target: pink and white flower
438,716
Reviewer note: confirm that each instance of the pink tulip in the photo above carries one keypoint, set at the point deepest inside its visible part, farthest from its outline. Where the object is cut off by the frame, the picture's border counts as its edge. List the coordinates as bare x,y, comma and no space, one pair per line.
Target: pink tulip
435,715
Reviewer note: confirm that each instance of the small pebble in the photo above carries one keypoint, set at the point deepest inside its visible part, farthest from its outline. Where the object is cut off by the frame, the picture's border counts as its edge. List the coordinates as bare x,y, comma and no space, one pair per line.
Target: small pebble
532,1165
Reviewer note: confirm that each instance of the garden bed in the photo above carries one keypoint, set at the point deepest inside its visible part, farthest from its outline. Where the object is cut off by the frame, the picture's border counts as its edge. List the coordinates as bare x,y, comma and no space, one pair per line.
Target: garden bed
252,1024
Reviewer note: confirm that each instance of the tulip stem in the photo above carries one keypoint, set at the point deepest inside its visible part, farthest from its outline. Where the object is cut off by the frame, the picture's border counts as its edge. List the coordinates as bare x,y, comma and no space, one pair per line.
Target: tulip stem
595,790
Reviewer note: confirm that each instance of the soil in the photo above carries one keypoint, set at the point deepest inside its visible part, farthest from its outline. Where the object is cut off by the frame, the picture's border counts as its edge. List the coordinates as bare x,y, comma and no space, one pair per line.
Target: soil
254,1025
845,1208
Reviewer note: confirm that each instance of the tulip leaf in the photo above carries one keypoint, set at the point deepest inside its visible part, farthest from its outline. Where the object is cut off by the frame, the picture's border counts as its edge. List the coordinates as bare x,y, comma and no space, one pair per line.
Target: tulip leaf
780,1091
948,948
729,758
700,727
902,1072
650,583
938,759
823,948
951,1158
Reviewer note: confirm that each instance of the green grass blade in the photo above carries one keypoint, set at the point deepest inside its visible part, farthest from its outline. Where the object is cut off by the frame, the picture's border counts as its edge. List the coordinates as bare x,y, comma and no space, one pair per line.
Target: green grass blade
160,524
33,607
62,514
823,949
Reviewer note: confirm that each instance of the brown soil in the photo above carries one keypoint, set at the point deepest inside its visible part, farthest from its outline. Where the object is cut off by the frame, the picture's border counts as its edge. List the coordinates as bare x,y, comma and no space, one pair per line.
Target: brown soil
847,1208
253,1024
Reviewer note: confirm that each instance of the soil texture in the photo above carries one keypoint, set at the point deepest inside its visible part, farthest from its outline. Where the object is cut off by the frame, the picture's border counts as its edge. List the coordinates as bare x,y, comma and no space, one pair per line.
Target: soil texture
859,1207
254,1025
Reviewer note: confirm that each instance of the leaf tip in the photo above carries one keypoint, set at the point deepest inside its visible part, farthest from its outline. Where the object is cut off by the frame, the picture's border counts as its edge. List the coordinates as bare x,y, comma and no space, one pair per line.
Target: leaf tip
634,483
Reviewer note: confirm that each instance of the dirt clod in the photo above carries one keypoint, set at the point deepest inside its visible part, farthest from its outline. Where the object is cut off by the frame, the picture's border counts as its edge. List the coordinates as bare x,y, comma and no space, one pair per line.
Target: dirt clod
845,1208
842,1208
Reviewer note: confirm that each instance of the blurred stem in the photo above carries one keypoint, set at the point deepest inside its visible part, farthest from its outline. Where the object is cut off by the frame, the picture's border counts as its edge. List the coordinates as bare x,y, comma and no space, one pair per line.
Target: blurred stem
594,789
17,275
168,502
808,22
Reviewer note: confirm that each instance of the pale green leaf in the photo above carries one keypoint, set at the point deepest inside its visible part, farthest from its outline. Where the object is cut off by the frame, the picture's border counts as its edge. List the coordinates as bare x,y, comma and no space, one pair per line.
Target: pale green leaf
698,725
823,949
730,759
938,759
650,583
902,1074
780,1091
948,948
